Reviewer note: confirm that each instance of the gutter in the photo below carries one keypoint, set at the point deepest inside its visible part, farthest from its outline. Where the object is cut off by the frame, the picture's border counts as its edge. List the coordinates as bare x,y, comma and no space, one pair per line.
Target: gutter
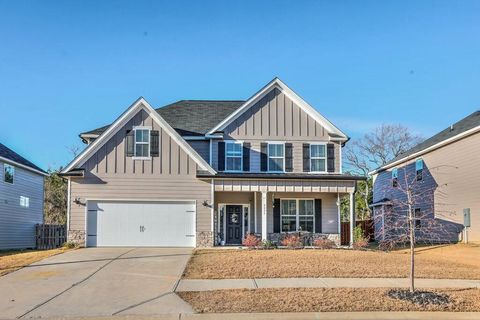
279,177
426,150
23,166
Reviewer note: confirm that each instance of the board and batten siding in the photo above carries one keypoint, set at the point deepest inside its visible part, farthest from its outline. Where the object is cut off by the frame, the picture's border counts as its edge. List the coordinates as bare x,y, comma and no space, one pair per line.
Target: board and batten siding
17,223
454,168
111,175
276,118
202,147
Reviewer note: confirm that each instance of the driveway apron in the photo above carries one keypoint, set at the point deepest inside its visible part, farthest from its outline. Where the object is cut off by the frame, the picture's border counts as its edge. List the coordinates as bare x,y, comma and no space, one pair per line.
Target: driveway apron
95,282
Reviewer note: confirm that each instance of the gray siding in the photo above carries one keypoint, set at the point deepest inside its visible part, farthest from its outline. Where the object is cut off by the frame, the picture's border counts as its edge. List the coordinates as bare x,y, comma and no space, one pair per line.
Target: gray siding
112,175
276,118
453,172
17,224
202,147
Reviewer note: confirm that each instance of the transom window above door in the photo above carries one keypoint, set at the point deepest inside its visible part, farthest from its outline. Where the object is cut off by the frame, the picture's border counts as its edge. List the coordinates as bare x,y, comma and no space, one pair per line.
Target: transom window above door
276,157
142,142
318,158
233,156
297,215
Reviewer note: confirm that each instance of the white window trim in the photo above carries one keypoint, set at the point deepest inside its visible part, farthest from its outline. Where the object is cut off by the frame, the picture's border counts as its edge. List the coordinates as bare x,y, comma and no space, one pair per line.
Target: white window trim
135,157
24,202
241,155
5,165
268,156
318,158
297,208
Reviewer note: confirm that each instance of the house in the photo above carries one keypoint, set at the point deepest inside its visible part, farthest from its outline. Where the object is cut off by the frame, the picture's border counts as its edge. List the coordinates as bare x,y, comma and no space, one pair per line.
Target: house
443,176
206,173
21,200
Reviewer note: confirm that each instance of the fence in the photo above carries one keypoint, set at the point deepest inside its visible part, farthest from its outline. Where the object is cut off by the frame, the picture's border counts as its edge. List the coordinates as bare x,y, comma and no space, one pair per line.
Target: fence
50,236
366,225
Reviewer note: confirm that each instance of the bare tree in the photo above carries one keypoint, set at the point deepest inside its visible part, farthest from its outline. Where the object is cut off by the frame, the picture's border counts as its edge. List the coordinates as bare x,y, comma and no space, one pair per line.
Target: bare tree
74,150
409,216
374,150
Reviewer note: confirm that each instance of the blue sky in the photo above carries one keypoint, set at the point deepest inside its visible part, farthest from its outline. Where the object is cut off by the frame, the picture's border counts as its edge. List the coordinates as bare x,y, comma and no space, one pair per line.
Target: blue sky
71,66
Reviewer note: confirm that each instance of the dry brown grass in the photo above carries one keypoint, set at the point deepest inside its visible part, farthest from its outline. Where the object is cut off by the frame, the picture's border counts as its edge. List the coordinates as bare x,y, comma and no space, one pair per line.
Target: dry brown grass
448,262
320,300
12,260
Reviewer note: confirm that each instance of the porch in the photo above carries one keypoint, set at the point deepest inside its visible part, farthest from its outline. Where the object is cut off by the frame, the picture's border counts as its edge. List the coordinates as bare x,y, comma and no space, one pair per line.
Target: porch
272,209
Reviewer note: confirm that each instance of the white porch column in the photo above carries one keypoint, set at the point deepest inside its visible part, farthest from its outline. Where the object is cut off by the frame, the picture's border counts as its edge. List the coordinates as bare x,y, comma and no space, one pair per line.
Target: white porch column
352,217
264,215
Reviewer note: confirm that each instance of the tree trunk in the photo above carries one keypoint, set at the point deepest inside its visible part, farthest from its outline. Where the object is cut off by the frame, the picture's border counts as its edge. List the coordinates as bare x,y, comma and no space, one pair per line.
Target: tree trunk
411,224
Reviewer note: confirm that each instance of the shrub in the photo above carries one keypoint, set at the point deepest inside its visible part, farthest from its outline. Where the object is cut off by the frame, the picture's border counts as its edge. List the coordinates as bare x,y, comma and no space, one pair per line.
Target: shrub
70,245
292,241
324,243
359,240
387,245
268,244
251,241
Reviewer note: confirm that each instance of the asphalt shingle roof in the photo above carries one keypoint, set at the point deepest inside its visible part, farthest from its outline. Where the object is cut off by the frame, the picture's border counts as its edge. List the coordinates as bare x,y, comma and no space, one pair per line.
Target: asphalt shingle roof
11,155
461,126
192,117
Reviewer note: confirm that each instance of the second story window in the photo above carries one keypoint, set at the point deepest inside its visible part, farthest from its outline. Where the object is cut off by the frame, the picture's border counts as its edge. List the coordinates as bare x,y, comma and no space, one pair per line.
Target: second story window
395,177
233,156
276,157
8,173
419,169
318,158
142,142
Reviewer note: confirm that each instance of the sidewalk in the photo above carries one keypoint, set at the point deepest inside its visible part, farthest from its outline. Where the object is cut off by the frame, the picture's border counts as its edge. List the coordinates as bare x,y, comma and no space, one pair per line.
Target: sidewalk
301,316
207,285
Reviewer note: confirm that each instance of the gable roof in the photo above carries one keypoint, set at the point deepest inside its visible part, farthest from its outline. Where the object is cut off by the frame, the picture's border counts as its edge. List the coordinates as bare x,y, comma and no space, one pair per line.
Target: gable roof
189,117
458,130
139,104
333,131
10,156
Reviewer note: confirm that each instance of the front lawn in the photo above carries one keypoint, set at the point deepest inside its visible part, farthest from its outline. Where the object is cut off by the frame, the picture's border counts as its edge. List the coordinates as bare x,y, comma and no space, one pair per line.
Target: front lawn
444,262
11,260
322,300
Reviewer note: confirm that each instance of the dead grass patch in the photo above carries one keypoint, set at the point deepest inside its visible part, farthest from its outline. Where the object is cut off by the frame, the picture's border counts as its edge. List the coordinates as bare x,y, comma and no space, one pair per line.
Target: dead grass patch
12,260
322,300
441,262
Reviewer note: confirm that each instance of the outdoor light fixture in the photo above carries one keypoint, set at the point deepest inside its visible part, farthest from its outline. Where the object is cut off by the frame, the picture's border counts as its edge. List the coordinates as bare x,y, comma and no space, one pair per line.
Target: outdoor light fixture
79,201
205,204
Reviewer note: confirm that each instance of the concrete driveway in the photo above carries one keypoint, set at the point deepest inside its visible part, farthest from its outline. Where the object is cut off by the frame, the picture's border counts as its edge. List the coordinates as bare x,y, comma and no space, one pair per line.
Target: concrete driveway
95,282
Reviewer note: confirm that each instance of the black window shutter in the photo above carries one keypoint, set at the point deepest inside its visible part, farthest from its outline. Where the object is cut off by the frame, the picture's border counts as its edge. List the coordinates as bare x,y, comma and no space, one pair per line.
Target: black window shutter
306,157
221,156
318,215
154,143
130,143
330,157
263,156
246,156
276,215
288,157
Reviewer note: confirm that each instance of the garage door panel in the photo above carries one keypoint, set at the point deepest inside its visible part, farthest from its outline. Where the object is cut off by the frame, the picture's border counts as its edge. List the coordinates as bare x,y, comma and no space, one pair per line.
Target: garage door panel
142,224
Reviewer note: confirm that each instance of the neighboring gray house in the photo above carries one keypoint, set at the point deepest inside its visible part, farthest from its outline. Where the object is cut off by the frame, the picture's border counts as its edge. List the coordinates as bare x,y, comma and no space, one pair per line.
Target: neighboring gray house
205,173
444,176
21,200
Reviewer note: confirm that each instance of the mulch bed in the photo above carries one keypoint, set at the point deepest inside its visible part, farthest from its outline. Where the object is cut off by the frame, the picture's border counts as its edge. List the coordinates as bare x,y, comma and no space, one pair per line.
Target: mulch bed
332,300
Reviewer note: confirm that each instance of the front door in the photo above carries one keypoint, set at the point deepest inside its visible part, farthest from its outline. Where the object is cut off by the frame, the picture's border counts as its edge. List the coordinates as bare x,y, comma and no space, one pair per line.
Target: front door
234,225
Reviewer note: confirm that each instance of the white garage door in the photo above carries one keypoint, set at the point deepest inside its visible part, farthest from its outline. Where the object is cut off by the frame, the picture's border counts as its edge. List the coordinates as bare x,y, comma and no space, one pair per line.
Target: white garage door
141,224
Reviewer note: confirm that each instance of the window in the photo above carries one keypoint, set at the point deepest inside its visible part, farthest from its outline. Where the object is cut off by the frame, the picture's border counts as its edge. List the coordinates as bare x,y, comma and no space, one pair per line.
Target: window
142,142
395,177
276,157
24,201
8,173
297,215
417,218
419,169
233,156
318,158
